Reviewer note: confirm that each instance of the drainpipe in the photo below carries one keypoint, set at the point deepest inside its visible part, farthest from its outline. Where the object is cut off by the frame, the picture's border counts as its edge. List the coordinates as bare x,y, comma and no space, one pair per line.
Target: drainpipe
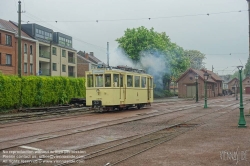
50,58
60,61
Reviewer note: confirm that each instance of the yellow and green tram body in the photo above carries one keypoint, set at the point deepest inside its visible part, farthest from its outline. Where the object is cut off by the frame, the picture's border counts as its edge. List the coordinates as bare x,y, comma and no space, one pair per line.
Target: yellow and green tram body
109,89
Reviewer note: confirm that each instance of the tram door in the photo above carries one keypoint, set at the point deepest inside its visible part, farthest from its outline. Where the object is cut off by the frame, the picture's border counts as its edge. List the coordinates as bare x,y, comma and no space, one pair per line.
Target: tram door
148,88
122,89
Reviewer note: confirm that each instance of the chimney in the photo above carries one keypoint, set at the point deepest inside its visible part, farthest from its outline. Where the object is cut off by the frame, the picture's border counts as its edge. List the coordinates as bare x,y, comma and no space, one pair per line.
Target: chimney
86,56
91,53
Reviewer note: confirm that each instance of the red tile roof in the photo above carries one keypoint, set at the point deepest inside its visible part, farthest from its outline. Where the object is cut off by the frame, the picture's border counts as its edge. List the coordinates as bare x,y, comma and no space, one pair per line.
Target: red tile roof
7,25
214,76
199,72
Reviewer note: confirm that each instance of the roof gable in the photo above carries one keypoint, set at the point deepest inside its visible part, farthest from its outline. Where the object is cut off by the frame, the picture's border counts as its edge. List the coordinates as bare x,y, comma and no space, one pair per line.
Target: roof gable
199,72
213,75
10,26
233,80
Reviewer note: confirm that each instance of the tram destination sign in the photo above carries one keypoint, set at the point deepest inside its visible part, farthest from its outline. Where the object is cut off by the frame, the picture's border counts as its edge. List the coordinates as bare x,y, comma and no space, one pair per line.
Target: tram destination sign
98,71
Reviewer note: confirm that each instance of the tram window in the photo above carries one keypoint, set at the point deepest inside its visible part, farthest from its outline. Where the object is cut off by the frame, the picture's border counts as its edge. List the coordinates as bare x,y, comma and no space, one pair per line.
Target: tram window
130,81
121,80
90,80
143,82
107,80
99,81
137,81
116,80
151,83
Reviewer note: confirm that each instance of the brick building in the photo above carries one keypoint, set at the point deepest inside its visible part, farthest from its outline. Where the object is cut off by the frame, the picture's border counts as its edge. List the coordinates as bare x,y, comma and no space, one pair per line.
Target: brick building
232,84
187,84
86,62
9,50
246,85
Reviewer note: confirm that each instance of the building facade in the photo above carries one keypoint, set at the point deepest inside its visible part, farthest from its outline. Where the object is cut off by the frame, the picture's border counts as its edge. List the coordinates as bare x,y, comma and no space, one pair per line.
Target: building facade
187,85
56,56
246,85
9,50
86,62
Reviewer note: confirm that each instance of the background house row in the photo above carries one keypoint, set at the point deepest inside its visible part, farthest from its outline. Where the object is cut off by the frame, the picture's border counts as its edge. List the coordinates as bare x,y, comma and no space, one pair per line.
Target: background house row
187,84
44,52
216,85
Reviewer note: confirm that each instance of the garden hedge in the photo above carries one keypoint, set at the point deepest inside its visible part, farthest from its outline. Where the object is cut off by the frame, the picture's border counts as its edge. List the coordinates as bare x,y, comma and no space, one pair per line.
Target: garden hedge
34,91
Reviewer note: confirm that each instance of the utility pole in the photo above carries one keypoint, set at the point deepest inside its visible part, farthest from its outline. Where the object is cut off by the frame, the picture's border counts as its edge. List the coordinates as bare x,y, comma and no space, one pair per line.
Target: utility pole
19,40
248,1
108,54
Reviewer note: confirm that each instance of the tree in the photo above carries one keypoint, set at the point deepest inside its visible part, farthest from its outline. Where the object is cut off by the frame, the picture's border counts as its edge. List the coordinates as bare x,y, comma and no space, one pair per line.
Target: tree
141,39
168,62
247,68
236,75
195,59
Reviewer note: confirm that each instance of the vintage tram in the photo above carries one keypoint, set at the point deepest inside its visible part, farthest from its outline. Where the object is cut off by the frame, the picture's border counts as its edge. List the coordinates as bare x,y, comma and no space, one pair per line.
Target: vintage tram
110,88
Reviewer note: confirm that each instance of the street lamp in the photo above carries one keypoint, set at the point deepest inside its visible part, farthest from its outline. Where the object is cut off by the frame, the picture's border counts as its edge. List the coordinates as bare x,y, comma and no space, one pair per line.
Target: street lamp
205,79
196,78
242,122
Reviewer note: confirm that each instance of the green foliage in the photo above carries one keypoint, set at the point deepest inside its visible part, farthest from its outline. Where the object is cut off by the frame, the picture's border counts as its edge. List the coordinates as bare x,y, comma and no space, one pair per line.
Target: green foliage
247,68
237,75
158,93
141,39
195,59
32,91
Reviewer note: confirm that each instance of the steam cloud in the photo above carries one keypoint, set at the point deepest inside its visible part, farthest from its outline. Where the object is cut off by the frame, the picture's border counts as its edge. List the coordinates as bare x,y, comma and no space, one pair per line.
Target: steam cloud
154,62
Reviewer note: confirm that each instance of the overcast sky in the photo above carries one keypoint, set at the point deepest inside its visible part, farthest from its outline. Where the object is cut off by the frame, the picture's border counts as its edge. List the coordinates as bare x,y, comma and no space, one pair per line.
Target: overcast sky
223,37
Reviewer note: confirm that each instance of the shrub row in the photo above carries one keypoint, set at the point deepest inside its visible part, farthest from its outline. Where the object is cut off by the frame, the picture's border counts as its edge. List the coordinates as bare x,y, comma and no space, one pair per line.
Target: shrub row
33,91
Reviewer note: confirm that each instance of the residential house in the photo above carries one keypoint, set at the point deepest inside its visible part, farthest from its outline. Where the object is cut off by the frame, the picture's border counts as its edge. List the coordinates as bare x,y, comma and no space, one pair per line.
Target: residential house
225,80
246,85
232,84
187,84
56,54
217,87
86,62
9,50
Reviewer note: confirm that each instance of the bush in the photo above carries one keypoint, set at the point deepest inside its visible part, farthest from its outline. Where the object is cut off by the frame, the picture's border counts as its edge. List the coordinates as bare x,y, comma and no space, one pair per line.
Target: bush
159,93
30,91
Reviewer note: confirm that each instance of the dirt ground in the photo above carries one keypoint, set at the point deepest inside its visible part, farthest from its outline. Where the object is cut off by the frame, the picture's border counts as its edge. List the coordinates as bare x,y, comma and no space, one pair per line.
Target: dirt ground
217,142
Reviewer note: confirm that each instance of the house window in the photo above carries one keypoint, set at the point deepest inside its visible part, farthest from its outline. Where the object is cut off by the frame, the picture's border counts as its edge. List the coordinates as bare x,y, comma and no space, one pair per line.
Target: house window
8,59
31,50
64,53
8,40
31,68
64,68
25,48
25,67
54,66
54,50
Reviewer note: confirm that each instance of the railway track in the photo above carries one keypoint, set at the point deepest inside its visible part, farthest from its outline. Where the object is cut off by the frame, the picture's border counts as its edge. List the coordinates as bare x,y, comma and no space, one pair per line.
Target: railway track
51,112
24,117
132,147
78,129
135,135
58,116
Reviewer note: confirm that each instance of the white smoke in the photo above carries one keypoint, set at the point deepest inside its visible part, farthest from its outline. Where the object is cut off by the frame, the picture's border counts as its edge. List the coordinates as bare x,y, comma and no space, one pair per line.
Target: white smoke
154,62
